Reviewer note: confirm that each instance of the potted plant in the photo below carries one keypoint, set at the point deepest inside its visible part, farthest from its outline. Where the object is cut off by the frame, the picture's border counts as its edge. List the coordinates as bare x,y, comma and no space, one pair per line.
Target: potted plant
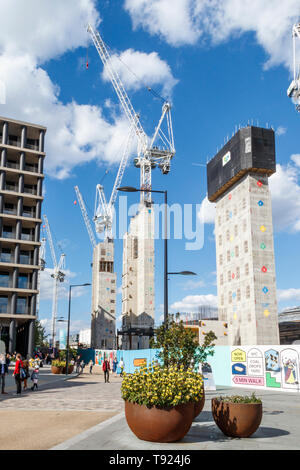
179,345
237,416
57,367
160,401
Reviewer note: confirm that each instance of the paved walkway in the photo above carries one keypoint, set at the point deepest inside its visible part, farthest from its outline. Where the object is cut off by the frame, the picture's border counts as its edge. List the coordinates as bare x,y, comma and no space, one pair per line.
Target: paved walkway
280,429
59,410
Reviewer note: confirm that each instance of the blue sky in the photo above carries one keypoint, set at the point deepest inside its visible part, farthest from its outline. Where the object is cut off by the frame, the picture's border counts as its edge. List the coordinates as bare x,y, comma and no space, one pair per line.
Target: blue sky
221,68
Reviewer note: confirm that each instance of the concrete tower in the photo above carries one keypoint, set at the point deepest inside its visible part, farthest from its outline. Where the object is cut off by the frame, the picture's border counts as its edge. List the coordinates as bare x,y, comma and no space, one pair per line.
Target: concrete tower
138,294
103,327
238,183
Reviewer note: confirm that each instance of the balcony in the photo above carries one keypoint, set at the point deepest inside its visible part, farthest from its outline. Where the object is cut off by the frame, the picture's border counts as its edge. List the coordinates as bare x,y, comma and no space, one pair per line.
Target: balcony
11,187
31,168
14,165
30,190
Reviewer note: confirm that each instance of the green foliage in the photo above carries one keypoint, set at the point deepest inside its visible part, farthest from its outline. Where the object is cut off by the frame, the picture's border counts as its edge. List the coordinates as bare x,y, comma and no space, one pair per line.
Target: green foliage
40,337
63,354
179,345
162,387
58,363
240,399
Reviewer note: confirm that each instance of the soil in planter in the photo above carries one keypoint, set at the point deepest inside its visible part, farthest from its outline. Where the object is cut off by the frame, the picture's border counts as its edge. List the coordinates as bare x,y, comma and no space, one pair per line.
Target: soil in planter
237,419
159,424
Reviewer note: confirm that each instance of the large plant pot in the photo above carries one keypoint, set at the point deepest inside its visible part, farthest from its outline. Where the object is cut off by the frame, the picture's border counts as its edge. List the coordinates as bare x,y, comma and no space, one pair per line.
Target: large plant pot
159,424
198,407
56,370
70,370
237,419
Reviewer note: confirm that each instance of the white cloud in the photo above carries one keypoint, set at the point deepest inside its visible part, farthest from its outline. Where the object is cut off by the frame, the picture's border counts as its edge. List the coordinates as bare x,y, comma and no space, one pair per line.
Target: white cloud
284,295
281,131
285,192
76,133
191,303
47,282
187,21
207,212
138,69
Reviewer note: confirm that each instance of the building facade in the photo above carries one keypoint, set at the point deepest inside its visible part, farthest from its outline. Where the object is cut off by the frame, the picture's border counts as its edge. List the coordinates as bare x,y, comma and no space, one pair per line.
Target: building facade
138,295
21,185
289,326
246,279
104,294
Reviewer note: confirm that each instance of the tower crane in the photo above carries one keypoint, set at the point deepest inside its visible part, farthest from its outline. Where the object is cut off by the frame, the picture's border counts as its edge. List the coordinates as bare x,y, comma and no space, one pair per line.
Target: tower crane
85,217
149,155
294,88
57,275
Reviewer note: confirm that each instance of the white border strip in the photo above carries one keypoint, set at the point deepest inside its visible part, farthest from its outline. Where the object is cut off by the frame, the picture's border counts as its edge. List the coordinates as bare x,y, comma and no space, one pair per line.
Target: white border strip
85,434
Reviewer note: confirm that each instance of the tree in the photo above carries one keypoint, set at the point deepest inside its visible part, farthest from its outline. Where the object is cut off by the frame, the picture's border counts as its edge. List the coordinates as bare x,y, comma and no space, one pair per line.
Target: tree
179,345
40,337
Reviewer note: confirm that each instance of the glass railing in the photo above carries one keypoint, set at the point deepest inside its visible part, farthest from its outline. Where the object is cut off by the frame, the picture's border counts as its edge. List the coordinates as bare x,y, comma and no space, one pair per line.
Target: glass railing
28,214
5,258
11,187
30,191
31,168
14,165
10,211
11,235
32,146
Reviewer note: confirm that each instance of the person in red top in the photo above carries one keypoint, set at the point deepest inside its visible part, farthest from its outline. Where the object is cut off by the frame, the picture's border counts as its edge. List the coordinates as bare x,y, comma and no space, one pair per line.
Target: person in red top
106,369
17,373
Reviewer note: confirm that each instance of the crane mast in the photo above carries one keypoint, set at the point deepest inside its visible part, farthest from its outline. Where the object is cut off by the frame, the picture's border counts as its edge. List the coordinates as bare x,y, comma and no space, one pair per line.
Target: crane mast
85,217
148,155
58,276
42,263
294,88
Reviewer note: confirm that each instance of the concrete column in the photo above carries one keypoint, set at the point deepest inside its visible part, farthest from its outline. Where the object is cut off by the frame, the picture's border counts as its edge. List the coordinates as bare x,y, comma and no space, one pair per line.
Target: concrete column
20,206
34,279
18,229
33,305
21,184
15,278
12,336
5,133
36,256
17,254
30,338
39,188
38,210
23,137
1,203
41,141
13,307
41,164
37,233
22,161
3,157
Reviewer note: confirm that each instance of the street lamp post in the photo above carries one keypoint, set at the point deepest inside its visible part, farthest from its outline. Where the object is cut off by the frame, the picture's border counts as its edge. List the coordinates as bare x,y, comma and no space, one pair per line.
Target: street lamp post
69,317
130,189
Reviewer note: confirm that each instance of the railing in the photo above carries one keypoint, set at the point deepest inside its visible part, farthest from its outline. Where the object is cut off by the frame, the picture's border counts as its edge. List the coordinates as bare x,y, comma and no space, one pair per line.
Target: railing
31,168
30,215
30,191
14,165
11,187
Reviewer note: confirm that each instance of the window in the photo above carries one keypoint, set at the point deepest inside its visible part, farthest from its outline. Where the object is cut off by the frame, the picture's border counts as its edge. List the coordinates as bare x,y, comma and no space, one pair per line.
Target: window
21,305
237,272
238,294
103,252
247,269
222,299
244,225
23,281
227,235
244,203
28,211
228,255
227,215
24,257
219,220
229,276
246,246
221,279
7,232
229,297
4,279
236,230
26,234
237,251
3,304
220,240
9,208
248,292
221,260
235,210
5,255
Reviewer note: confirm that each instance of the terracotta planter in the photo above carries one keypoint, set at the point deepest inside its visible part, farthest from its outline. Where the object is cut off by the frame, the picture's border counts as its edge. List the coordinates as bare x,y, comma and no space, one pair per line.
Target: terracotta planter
70,370
159,424
237,419
56,370
199,405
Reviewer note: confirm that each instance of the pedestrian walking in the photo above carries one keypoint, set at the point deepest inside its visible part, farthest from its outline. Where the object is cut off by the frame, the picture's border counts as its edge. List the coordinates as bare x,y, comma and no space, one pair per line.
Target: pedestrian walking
106,369
115,365
3,371
26,369
122,365
35,377
82,366
77,364
18,373
91,364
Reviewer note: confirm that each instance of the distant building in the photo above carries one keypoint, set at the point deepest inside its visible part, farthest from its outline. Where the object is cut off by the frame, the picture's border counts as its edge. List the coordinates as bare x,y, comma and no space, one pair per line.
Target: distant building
237,180
289,326
21,196
85,337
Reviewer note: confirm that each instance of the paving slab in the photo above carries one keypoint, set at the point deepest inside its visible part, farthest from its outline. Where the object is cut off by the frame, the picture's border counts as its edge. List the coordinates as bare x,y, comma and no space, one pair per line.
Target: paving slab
280,429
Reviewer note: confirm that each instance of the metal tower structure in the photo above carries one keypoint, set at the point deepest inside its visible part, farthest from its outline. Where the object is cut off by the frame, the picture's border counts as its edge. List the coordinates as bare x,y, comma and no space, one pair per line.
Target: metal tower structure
57,275
149,154
42,263
294,88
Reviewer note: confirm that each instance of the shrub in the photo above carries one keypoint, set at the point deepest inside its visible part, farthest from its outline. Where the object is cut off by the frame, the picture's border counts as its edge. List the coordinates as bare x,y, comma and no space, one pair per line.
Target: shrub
162,387
58,363
240,399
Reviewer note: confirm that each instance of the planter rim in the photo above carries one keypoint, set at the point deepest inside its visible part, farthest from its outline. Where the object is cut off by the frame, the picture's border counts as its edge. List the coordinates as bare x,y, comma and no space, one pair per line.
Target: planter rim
231,403
159,407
